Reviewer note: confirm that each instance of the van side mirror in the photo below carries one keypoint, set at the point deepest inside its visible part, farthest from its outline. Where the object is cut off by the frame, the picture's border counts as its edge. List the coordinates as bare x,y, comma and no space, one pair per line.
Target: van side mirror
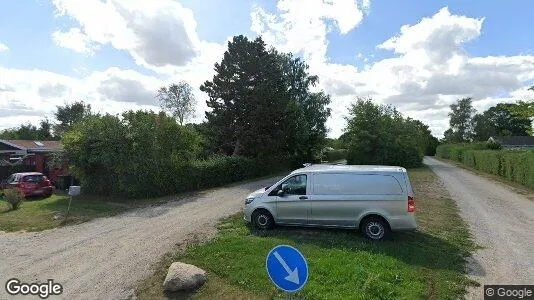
280,193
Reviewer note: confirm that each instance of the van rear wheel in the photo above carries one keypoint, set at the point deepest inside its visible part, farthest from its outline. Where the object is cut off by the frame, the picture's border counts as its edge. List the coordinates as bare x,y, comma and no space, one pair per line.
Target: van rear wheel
375,228
262,219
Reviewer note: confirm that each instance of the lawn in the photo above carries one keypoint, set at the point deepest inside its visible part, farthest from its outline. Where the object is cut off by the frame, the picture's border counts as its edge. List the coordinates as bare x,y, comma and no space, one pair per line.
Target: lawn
38,214
343,265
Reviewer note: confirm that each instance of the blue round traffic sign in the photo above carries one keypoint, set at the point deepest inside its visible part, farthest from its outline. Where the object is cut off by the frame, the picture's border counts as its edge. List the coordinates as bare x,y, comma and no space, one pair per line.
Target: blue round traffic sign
287,268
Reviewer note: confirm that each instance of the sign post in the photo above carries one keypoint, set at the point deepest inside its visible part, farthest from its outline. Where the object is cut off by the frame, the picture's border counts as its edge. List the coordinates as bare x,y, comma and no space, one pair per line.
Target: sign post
73,191
287,268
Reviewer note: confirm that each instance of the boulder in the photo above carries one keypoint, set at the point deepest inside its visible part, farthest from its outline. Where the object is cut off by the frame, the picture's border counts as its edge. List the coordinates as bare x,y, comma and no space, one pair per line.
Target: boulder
182,277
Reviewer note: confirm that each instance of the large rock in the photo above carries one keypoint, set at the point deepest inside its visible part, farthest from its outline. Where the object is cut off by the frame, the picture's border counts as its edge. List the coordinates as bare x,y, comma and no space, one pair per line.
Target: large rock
183,277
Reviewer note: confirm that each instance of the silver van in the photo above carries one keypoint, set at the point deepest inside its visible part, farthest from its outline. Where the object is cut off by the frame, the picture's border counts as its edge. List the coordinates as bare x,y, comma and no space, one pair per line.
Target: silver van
374,199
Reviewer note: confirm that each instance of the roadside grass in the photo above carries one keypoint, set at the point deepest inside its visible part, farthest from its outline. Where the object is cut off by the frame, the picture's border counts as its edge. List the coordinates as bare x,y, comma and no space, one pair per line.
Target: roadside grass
426,264
514,186
38,214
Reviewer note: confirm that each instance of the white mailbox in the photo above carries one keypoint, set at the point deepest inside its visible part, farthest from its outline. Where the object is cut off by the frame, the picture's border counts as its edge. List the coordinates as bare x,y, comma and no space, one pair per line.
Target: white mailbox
74,190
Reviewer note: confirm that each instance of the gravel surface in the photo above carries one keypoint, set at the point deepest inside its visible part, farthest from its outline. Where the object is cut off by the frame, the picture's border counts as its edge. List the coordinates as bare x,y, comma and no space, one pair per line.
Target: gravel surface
500,220
105,258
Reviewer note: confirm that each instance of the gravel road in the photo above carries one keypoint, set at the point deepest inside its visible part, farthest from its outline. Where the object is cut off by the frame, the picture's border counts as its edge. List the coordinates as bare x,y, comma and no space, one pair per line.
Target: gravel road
105,258
501,221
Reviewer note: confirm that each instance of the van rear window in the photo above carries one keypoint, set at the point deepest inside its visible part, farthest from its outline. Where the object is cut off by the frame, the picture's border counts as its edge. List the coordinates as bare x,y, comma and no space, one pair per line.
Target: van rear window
33,178
356,184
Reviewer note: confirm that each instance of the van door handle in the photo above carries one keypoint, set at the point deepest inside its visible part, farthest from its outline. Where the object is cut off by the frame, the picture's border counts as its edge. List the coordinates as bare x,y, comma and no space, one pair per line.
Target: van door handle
303,198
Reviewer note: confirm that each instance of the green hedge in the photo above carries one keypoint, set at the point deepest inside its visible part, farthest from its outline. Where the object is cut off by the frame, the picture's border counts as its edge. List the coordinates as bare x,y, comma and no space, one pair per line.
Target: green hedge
514,165
152,181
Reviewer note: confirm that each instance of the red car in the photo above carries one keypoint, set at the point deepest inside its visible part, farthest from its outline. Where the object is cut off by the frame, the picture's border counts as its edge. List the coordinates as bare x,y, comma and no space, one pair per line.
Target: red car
30,184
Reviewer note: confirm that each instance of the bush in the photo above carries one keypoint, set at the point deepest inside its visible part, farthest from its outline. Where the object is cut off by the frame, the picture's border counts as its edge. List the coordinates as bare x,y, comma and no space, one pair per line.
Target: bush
14,197
514,165
334,155
380,135
493,145
144,154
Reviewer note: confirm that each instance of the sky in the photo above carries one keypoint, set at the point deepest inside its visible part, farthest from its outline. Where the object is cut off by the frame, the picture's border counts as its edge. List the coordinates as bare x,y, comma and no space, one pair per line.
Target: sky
418,55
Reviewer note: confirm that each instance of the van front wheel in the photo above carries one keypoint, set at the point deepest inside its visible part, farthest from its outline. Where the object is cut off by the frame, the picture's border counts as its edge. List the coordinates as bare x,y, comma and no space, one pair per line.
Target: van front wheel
262,219
375,228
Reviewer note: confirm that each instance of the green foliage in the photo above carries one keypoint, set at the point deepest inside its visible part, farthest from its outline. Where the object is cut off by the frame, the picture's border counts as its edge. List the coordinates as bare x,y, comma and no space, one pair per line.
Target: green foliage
432,144
144,154
334,155
178,99
514,165
14,197
381,135
70,114
29,132
493,145
261,104
461,116
524,109
500,121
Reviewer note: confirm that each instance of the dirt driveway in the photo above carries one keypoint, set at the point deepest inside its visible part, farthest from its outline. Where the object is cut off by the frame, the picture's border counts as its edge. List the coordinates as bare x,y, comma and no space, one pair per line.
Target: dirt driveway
500,220
105,258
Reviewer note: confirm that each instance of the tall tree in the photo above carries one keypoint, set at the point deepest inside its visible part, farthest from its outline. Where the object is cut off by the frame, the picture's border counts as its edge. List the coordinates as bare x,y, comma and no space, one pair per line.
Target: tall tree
381,135
499,120
525,108
70,114
178,99
261,103
29,132
312,107
45,130
461,117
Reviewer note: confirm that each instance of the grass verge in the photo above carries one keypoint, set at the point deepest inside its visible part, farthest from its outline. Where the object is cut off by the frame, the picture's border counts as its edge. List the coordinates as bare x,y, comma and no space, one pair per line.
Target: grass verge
40,214
343,265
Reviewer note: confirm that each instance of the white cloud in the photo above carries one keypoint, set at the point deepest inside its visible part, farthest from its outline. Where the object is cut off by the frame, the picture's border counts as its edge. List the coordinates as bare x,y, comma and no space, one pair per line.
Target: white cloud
3,48
159,35
156,33
301,26
74,39
29,95
430,68
430,71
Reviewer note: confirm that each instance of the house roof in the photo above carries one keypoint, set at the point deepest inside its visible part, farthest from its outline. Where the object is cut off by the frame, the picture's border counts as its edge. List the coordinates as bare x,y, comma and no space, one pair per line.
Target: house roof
30,145
515,140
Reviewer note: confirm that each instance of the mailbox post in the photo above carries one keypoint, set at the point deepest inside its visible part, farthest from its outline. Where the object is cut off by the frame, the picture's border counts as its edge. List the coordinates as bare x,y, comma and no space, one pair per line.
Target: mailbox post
74,190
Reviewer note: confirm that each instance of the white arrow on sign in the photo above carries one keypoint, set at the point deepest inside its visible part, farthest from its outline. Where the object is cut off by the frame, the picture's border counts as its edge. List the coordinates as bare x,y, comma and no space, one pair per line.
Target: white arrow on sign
292,276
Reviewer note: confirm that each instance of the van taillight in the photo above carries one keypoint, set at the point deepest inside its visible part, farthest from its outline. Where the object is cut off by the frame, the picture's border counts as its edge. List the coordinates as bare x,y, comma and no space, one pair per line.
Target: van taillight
411,204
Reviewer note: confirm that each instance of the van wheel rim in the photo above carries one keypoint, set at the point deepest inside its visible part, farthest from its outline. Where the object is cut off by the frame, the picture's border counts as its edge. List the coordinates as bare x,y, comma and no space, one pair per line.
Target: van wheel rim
262,220
375,230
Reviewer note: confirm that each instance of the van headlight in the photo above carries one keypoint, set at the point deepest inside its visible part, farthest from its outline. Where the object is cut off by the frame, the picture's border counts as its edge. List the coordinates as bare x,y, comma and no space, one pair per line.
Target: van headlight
249,200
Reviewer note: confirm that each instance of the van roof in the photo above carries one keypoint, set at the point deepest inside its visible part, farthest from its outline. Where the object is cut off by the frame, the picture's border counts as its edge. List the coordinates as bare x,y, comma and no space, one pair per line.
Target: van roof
324,168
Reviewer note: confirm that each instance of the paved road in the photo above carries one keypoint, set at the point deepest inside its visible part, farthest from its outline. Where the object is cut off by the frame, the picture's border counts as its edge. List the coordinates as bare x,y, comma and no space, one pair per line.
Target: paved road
501,221
105,258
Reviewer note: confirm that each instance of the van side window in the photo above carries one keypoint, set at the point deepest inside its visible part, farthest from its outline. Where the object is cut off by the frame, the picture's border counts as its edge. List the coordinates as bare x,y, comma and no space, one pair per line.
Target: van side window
295,185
